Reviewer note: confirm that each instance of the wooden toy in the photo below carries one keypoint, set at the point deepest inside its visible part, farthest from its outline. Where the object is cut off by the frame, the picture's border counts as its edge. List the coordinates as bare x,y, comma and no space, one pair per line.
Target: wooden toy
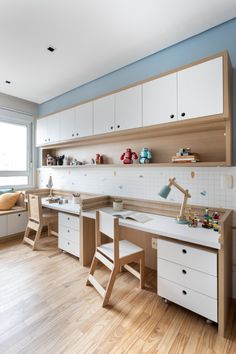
128,156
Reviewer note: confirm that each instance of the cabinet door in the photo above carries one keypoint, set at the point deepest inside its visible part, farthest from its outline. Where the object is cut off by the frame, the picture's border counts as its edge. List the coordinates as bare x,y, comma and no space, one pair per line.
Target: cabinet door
160,100
53,128
200,90
104,114
41,131
67,124
128,108
84,120
3,225
17,222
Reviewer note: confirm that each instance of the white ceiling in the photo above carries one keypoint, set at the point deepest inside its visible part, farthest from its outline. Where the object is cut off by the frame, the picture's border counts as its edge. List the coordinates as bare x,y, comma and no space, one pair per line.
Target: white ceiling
92,38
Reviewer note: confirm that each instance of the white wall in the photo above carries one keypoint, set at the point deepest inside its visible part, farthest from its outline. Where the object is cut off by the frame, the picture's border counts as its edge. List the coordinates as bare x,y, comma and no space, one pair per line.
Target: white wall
17,104
146,182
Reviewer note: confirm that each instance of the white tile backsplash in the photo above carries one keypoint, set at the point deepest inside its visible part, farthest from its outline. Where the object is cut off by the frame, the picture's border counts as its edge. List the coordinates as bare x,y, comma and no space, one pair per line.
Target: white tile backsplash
146,182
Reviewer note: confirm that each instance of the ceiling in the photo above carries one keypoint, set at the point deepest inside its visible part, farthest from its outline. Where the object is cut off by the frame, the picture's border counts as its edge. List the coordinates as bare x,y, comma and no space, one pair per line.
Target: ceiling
91,37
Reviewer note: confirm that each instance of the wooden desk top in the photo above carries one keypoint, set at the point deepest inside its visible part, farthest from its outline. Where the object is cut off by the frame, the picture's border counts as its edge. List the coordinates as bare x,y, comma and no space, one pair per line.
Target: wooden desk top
167,226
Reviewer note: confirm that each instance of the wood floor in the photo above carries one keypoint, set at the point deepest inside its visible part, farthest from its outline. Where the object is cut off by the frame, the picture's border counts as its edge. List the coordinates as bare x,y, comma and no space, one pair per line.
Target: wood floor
45,307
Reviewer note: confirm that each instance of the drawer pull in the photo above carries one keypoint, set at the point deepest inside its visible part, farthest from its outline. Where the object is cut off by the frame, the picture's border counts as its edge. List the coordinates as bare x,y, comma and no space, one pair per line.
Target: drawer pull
184,251
68,243
184,271
68,218
68,230
184,292
19,214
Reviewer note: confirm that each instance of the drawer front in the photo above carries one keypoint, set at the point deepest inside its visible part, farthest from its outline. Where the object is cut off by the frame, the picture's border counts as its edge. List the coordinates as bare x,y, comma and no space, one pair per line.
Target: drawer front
192,257
201,282
196,302
16,222
69,234
3,225
69,246
69,221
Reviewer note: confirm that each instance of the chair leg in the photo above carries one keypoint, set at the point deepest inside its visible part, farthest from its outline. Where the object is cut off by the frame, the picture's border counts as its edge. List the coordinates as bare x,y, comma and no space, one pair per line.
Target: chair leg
49,230
109,287
142,270
26,235
37,237
92,268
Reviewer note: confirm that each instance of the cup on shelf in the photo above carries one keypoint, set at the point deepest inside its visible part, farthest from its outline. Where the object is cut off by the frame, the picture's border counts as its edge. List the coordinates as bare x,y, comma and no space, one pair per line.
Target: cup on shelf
118,205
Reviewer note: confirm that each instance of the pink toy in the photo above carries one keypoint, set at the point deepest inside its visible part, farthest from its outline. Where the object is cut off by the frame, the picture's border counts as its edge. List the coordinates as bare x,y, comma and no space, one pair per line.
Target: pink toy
128,156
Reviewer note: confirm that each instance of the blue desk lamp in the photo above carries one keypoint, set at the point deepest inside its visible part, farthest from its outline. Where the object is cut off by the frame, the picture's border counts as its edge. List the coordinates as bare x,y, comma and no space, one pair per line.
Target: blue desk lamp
164,192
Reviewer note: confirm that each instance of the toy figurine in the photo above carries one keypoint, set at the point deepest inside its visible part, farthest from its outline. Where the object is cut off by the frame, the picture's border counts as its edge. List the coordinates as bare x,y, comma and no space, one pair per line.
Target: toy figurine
128,156
60,160
50,160
145,156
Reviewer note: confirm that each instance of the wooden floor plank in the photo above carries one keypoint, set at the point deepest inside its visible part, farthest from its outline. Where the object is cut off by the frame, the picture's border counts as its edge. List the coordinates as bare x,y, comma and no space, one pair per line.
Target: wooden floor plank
45,307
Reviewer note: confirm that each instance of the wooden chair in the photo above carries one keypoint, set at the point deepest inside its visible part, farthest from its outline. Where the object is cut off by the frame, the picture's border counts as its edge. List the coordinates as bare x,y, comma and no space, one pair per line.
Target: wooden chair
113,255
37,220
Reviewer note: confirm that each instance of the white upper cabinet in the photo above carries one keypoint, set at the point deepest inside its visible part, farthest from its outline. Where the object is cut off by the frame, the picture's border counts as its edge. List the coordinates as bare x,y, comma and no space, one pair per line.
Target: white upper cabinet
160,100
128,108
41,131
200,90
84,120
104,114
48,130
67,124
53,128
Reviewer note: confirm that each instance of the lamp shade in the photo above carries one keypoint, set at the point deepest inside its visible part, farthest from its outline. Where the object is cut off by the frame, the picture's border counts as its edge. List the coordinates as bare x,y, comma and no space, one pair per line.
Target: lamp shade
164,192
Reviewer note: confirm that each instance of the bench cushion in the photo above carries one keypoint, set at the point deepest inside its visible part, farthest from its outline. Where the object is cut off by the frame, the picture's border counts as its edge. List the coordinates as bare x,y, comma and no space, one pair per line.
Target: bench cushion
8,200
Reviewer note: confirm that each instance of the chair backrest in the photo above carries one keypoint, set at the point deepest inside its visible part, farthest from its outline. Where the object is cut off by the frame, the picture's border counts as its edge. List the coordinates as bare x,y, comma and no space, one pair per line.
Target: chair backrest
108,225
35,207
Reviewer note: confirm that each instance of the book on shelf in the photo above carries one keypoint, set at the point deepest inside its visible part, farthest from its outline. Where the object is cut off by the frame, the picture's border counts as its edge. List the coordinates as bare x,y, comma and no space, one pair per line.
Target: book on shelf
132,215
186,158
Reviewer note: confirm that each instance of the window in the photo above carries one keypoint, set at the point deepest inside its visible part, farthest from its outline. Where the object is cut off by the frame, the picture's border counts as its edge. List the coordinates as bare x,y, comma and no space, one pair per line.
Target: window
16,150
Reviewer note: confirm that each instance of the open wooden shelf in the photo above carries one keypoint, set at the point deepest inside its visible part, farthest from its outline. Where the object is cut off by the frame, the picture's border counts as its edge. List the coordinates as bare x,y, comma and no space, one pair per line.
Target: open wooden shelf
137,165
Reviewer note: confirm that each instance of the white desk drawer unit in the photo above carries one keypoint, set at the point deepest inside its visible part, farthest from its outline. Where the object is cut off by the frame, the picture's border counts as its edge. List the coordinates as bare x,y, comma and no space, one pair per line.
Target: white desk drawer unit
69,233
188,276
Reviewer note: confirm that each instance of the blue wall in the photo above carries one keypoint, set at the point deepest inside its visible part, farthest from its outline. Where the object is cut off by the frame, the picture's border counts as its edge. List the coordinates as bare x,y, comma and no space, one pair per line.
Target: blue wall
222,37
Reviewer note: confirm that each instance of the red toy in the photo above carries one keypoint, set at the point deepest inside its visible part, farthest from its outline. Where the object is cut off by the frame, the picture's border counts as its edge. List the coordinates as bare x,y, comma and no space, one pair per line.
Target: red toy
128,156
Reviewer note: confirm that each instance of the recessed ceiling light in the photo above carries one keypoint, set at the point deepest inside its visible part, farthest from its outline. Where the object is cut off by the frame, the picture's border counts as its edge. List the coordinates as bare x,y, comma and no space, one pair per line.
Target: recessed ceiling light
7,82
51,49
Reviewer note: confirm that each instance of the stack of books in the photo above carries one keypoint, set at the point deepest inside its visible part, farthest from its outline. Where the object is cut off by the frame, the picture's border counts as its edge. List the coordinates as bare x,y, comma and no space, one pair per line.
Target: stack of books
185,158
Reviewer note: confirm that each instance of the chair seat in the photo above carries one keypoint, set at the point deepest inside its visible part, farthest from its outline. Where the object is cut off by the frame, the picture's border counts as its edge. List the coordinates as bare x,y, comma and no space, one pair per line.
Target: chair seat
49,216
126,248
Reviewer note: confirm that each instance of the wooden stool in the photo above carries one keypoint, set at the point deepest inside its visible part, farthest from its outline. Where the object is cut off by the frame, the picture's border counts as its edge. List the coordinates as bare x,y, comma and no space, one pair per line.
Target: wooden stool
113,255
37,220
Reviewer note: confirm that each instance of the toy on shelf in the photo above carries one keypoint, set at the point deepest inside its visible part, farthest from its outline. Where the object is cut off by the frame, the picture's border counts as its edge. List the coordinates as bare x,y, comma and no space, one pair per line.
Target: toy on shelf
145,156
98,159
50,160
184,155
60,160
128,156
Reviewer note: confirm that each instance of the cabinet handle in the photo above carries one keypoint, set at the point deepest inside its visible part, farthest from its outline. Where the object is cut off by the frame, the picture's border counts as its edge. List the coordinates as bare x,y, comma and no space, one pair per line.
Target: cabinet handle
184,251
68,218
77,134
172,116
68,230
48,139
73,134
184,271
68,243
19,214
111,127
183,114
118,126
45,139
184,292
